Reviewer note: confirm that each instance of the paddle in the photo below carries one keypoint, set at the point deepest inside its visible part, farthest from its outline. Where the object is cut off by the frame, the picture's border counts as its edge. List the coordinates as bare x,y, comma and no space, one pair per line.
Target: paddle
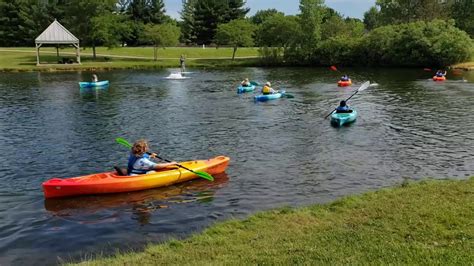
255,83
198,173
361,88
333,68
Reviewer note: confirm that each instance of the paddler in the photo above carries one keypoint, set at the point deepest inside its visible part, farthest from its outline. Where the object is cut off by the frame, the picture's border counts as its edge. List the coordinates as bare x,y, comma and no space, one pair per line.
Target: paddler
139,162
267,89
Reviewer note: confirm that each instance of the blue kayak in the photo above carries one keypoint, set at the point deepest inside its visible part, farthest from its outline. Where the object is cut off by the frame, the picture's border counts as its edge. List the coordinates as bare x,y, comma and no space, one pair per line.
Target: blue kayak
266,97
94,84
242,89
339,119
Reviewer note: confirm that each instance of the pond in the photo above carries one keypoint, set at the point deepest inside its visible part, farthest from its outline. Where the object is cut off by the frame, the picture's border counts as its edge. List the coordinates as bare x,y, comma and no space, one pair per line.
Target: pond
283,152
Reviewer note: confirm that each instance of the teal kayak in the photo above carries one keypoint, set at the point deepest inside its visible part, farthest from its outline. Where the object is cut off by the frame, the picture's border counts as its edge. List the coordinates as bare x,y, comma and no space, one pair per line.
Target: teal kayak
339,119
266,97
243,89
94,84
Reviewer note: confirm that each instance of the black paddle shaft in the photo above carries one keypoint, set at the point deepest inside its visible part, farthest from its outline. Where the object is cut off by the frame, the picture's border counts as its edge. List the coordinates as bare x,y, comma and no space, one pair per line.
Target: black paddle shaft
168,161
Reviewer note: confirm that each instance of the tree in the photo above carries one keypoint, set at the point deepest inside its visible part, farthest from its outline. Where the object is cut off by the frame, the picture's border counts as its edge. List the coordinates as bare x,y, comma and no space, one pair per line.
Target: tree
187,26
311,16
371,18
463,14
147,11
207,15
109,29
201,17
236,10
262,15
277,34
16,26
403,11
82,25
161,35
237,33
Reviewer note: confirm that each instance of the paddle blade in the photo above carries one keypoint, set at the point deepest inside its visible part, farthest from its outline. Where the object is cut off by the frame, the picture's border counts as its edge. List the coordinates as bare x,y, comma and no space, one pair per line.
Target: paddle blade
333,68
254,83
204,175
364,86
427,69
123,142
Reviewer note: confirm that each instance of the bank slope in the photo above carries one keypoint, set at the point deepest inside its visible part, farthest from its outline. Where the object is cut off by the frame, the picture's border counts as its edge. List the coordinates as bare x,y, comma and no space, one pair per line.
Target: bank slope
428,222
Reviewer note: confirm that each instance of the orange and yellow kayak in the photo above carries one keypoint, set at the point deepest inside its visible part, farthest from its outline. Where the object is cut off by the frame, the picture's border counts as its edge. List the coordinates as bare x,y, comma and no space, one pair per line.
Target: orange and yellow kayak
111,182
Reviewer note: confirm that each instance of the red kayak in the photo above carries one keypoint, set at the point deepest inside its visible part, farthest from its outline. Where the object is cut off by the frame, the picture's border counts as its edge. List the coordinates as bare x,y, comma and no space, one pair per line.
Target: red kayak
112,182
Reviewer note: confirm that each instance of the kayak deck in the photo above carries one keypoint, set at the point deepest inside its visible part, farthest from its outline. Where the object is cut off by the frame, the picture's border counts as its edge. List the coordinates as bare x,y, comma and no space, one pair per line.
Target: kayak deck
339,119
266,97
111,182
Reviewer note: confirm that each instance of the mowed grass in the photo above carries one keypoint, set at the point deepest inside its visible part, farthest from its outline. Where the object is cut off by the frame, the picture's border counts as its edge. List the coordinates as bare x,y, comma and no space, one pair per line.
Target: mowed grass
24,59
428,223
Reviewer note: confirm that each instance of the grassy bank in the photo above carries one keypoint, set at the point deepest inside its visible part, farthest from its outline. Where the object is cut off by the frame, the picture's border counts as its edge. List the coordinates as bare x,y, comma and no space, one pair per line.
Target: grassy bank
24,59
429,222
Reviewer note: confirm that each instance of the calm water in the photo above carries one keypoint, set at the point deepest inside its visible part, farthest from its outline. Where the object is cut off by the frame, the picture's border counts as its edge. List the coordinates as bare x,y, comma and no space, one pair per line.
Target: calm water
283,153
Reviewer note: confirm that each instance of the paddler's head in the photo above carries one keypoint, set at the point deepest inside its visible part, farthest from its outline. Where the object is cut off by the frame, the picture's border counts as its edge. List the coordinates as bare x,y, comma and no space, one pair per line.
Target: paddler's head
140,147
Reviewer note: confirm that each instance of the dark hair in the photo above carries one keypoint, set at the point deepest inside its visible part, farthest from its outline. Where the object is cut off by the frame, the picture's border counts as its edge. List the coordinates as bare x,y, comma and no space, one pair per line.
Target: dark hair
343,103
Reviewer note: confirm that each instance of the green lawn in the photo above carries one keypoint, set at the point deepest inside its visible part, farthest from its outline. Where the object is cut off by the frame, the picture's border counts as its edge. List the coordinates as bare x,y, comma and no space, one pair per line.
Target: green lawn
424,223
24,59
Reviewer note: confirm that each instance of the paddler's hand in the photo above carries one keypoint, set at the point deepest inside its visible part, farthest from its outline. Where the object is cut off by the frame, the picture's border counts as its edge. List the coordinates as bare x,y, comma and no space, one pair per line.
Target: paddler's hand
153,155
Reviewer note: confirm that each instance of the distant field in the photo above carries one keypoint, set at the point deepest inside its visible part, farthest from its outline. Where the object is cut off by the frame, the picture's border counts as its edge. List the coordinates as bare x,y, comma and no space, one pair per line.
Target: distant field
24,58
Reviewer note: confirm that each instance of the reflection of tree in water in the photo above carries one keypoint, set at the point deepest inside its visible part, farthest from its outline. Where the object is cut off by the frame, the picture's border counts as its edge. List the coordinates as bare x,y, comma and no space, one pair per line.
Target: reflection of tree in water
143,203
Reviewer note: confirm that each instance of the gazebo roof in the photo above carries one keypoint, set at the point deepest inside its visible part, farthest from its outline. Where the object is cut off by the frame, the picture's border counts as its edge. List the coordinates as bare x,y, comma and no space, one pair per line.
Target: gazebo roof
56,33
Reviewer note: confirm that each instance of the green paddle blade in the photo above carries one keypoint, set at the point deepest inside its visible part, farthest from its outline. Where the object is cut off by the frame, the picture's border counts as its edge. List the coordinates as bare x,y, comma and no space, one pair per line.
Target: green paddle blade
123,142
254,83
204,175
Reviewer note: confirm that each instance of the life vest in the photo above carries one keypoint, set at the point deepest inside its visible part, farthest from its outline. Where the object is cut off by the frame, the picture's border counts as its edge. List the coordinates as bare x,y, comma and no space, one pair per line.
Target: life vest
342,108
266,90
132,159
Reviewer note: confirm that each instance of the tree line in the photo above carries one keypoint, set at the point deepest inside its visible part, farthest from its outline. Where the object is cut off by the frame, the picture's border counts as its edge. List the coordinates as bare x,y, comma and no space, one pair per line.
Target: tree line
393,32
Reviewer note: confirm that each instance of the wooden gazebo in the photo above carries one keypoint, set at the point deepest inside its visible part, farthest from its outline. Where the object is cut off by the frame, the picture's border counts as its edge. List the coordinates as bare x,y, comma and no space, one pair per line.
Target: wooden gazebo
57,34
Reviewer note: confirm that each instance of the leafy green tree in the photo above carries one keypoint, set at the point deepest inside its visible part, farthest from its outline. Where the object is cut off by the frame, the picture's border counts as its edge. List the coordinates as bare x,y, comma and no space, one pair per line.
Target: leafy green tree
338,50
277,35
161,35
82,26
371,18
403,11
417,44
237,33
109,29
312,12
262,15
463,14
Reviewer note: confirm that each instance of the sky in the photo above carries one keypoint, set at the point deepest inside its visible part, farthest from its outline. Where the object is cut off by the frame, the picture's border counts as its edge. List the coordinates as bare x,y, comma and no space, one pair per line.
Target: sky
349,8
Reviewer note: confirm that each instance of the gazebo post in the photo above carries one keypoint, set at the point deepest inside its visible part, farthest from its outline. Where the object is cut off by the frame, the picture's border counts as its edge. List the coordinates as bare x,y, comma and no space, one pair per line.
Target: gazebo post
38,45
78,53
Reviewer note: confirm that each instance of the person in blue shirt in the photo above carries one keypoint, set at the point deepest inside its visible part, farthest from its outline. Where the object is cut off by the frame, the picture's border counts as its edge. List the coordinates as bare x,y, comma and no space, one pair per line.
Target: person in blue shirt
343,108
139,161
345,78
440,73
